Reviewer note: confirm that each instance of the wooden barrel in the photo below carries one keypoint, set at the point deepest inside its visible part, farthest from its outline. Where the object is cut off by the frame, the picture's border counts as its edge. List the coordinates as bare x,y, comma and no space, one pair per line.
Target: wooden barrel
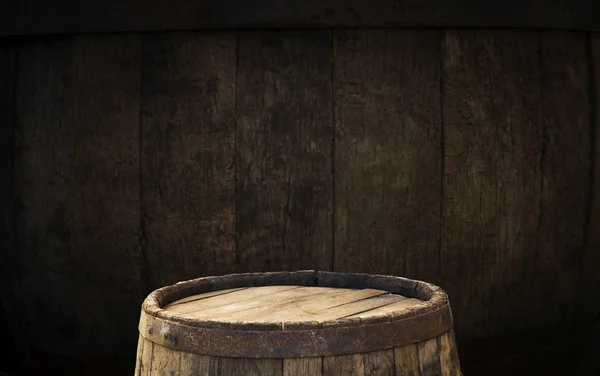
297,323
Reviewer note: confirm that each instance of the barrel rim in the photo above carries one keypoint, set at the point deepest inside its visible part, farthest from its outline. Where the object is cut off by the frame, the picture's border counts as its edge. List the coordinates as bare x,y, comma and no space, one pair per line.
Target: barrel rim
425,320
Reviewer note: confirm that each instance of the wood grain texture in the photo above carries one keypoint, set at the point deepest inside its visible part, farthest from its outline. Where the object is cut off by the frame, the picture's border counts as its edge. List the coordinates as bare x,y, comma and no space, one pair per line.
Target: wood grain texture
387,152
589,299
41,192
286,308
429,361
145,358
228,304
303,366
251,367
29,16
351,365
195,364
284,135
105,165
406,359
77,238
493,138
380,363
402,305
272,303
425,358
448,354
519,156
193,298
566,173
188,128
10,307
165,361
139,356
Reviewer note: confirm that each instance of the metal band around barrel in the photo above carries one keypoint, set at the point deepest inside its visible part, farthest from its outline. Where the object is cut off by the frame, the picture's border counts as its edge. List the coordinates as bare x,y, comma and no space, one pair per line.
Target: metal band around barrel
296,343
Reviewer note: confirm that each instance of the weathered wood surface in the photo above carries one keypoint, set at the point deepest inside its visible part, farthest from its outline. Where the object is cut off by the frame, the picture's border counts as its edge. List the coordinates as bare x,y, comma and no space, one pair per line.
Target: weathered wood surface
493,141
187,148
10,282
283,145
564,211
272,304
435,357
388,149
27,17
317,307
591,258
461,157
77,195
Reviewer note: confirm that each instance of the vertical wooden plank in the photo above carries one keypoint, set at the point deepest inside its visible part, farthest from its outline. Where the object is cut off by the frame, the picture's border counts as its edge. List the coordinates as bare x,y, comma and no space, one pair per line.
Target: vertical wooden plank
303,366
198,365
566,173
448,354
188,102
594,221
147,357
284,134
42,169
350,365
429,361
165,361
406,359
139,356
77,163
587,301
493,136
387,152
589,297
380,363
104,191
10,308
251,367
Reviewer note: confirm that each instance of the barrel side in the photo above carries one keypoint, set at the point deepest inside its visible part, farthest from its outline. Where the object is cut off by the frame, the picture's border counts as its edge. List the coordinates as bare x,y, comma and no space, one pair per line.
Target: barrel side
434,357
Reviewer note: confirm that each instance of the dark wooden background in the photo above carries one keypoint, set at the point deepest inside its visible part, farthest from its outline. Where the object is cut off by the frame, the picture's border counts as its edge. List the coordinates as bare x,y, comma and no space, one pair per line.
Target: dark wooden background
464,157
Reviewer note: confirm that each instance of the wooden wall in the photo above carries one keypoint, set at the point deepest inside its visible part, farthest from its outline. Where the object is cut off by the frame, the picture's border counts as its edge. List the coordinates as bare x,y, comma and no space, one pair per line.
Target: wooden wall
460,157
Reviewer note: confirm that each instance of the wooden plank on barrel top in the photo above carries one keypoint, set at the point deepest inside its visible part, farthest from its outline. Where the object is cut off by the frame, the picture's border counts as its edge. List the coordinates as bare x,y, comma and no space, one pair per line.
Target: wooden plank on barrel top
252,295
277,310
187,138
203,296
283,167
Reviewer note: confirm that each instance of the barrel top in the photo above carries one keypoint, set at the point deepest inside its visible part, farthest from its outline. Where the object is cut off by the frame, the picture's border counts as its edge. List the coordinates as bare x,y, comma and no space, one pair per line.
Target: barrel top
291,305
294,314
